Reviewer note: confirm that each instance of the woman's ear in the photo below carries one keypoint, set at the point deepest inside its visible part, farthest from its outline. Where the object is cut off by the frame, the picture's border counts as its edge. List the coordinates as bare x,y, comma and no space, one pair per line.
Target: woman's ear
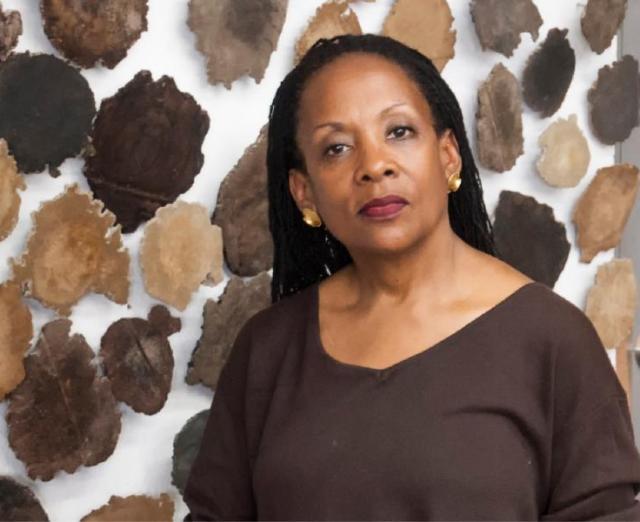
300,189
450,153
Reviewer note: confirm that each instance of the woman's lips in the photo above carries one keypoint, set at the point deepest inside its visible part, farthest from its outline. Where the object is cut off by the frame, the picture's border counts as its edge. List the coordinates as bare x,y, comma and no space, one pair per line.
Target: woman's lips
383,211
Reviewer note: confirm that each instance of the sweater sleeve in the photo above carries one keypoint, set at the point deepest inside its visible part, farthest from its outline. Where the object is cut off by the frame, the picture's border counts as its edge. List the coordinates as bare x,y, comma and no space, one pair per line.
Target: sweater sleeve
595,465
219,486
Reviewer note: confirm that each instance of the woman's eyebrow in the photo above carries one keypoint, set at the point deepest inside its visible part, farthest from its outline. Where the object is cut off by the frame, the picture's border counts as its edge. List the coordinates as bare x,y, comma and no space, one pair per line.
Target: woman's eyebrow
339,126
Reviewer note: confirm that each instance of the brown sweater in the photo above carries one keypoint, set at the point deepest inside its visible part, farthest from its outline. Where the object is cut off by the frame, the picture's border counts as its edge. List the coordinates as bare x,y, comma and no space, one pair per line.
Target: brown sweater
518,415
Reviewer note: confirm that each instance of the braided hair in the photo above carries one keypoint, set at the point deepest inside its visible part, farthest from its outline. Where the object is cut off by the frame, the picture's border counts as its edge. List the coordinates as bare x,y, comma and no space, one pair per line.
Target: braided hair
305,255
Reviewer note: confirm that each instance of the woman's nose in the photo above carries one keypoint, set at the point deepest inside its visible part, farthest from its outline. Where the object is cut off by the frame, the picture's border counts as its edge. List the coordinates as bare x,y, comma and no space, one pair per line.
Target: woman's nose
374,163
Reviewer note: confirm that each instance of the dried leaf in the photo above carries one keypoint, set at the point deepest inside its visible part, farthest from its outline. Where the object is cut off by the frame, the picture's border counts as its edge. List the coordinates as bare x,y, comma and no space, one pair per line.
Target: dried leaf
237,37
140,508
17,502
180,249
499,120
147,140
499,24
565,153
604,208
10,31
46,109
73,249
10,183
138,360
63,414
529,238
600,22
16,331
242,211
425,26
330,19
611,302
186,445
92,31
617,85
548,73
221,324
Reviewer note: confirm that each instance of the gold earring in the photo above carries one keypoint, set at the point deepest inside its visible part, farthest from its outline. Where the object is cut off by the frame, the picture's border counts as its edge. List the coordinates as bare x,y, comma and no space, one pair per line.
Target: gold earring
454,182
311,217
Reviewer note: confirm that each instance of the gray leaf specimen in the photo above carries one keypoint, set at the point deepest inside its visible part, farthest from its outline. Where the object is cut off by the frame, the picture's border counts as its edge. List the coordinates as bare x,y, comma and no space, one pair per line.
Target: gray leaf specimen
46,109
603,210
548,73
222,322
17,502
147,140
529,238
63,415
93,31
138,360
499,120
565,153
614,100
186,445
600,22
242,211
10,31
499,23
237,37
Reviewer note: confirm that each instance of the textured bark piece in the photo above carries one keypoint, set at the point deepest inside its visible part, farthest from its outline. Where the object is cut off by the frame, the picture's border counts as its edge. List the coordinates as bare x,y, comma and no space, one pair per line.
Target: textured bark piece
611,302
147,140
600,22
140,508
529,238
548,73
17,502
604,208
331,19
10,183
46,109
16,331
499,24
222,322
73,249
242,211
63,415
425,26
138,360
180,250
614,101
237,37
186,445
565,153
499,120
10,31
94,31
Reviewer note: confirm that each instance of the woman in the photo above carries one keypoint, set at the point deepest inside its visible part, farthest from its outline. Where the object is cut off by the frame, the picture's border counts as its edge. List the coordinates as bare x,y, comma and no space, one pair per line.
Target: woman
403,372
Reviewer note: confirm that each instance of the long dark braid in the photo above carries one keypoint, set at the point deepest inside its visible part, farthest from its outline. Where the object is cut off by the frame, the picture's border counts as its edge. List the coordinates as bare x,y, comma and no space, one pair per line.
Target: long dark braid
304,255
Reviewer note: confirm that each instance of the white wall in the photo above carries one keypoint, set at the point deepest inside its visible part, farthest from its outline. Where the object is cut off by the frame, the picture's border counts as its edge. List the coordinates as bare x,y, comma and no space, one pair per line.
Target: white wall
141,463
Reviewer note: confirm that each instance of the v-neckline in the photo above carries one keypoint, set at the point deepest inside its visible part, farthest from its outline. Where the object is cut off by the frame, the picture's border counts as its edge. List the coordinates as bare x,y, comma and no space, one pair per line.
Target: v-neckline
383,372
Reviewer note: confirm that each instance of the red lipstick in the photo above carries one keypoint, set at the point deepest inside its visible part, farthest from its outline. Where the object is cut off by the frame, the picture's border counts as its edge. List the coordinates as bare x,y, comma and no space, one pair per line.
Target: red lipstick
385,207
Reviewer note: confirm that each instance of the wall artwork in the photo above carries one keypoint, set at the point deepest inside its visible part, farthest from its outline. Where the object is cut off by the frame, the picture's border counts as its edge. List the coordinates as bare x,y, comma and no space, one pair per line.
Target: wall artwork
44,126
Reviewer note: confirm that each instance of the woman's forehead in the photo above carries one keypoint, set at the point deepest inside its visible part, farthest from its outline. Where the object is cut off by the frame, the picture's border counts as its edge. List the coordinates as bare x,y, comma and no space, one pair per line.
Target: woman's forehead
359,79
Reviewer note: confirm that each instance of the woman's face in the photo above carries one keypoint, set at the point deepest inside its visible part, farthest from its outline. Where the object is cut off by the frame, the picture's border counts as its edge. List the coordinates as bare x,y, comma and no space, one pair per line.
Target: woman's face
366,131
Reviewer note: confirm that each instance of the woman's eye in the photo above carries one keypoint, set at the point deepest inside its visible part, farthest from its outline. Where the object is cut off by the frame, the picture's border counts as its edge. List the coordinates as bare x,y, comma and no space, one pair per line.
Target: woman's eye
401,131
333,150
